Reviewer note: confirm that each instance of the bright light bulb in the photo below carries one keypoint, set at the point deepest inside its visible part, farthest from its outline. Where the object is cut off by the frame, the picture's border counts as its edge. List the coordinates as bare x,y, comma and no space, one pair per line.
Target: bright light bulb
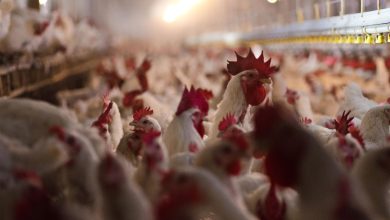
272,1
42,2
176,10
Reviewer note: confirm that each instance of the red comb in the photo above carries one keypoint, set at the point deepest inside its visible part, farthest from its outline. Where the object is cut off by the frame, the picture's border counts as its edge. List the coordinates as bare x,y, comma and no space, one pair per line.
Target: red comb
192,99
103,119
343,123
251,62
227,121
208,94
106,99
129,97
138,104
130,63
142,113
146,65
141,74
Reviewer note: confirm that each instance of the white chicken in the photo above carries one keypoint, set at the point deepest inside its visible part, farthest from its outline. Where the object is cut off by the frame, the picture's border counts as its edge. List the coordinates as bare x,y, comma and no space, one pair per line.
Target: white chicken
122,199
372,175
248,86
355,102
185,132
153,165
131,146
109,124
189,192
375,126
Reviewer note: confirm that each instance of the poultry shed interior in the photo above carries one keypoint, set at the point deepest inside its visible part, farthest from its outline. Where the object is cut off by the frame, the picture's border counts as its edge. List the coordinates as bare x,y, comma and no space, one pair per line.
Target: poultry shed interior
194,109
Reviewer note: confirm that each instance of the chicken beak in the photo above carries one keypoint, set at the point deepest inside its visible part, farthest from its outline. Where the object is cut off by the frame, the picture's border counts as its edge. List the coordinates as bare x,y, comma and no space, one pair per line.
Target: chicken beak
133,123
265,81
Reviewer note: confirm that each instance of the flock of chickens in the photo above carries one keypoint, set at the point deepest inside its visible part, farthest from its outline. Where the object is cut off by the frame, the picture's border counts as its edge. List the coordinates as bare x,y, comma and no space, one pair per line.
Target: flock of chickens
23,30
184,136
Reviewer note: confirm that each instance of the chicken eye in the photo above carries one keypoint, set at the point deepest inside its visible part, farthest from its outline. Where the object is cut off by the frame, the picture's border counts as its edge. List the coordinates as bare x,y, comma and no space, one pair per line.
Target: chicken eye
145,122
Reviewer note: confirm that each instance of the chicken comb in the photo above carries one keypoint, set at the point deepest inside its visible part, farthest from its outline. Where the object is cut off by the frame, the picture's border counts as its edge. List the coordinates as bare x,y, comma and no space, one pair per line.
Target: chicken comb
106,99
129,97
130,63
342,124
138,115
192,99
105,116
250,62
138,104
148,137
227,121
208,94
145,65
103,119
141,74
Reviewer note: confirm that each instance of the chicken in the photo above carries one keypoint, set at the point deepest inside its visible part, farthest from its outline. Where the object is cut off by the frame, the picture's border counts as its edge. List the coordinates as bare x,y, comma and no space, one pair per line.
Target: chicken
185,132
251,77
80,169
355,102
301,160
109,124
29,126
298,101
375,126
122,199
153,165
44,157
230,131
25,26
6,8
130,145
188,193
224,160
372,175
